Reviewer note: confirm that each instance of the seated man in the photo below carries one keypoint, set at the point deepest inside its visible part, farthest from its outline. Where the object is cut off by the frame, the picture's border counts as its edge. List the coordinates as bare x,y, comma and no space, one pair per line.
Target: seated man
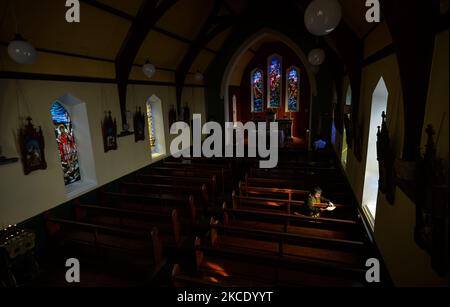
314,199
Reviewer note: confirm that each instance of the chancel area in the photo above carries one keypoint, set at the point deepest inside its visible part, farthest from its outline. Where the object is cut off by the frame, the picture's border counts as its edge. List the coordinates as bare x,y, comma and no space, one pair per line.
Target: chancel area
224,143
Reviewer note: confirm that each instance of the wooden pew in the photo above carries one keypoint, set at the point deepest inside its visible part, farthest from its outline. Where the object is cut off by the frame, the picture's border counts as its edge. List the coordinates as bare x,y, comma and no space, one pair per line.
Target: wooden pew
225,168
338,228
298,176
110,241
154,203
285,193
237,267
289,194
210,182
212,160
273,192
335,192
169,226
235,164
204,164
224,176
200,192
307,168
291,206
283,243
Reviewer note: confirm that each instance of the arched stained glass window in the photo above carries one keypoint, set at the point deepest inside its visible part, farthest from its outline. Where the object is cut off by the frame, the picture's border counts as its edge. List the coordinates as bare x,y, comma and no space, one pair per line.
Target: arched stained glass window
348,96
155,126
274,80
257,90
151,127
292,89
66,143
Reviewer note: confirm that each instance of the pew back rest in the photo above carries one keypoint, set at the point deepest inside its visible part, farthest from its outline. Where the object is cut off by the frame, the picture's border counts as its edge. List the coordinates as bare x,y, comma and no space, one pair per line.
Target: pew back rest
100,236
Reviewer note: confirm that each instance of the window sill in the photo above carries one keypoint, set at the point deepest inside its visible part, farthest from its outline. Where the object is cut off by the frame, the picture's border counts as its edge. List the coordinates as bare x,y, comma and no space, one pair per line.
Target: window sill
77,188
158,156
369,216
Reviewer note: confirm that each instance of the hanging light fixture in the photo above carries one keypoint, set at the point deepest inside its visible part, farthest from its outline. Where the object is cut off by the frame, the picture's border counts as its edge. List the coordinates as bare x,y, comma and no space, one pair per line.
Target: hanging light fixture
322,16
21,51
149,69
316,56
198,76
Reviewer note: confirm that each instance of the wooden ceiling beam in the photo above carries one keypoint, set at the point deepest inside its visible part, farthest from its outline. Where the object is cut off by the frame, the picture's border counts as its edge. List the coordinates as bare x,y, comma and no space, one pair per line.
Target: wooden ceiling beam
350,49
108,9
205,34
229,8
413,29
373,28
126,16
179,38
88,57
149,13
85,79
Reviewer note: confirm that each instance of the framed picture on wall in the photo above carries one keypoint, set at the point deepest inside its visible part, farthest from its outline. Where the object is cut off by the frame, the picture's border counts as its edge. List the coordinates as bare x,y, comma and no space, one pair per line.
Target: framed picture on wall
139,125
109,131
32,148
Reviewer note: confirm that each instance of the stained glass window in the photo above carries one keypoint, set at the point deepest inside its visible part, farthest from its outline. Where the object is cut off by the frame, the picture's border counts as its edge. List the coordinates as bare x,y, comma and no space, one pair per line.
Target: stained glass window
348,96
333,132
66,143
274,79
257,90
151,128
292,89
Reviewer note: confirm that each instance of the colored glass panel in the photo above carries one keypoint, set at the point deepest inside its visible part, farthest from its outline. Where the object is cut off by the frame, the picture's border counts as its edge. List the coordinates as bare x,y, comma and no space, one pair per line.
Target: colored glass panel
293,87
66,143
274,82
257,90
151,128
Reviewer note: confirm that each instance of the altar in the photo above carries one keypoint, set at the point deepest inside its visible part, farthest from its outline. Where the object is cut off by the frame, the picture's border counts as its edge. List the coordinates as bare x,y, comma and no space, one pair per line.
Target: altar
284,125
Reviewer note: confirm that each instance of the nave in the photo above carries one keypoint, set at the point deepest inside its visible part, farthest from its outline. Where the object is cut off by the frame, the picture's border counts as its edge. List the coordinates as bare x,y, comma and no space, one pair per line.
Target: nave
349,97
216,222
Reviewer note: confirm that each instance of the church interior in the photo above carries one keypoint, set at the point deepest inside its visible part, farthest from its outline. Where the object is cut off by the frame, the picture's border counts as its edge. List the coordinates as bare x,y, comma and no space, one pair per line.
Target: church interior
96,189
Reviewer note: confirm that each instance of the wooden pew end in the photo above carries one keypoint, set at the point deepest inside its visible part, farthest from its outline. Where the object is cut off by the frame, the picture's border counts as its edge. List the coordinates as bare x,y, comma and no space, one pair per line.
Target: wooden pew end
198,253
213,231
225,214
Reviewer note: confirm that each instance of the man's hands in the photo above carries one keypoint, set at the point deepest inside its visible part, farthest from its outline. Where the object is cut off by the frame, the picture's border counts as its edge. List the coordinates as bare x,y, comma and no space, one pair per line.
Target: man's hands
331,206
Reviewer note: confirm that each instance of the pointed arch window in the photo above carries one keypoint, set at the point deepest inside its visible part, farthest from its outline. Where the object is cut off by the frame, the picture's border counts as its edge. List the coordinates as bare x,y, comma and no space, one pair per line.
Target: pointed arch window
155,127
348,96
292,89
347,114
257,80
151,127
274,80
65,139
380,97
333,115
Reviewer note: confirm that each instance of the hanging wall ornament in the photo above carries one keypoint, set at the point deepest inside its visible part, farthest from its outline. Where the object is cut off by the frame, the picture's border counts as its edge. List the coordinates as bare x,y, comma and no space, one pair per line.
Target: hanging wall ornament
139,125
386,161
431,198
186,114
172,115
32,148
109,131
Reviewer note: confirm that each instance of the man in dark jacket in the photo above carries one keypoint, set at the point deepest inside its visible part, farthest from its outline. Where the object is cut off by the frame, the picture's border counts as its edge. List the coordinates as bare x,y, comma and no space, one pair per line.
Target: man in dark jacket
315,198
